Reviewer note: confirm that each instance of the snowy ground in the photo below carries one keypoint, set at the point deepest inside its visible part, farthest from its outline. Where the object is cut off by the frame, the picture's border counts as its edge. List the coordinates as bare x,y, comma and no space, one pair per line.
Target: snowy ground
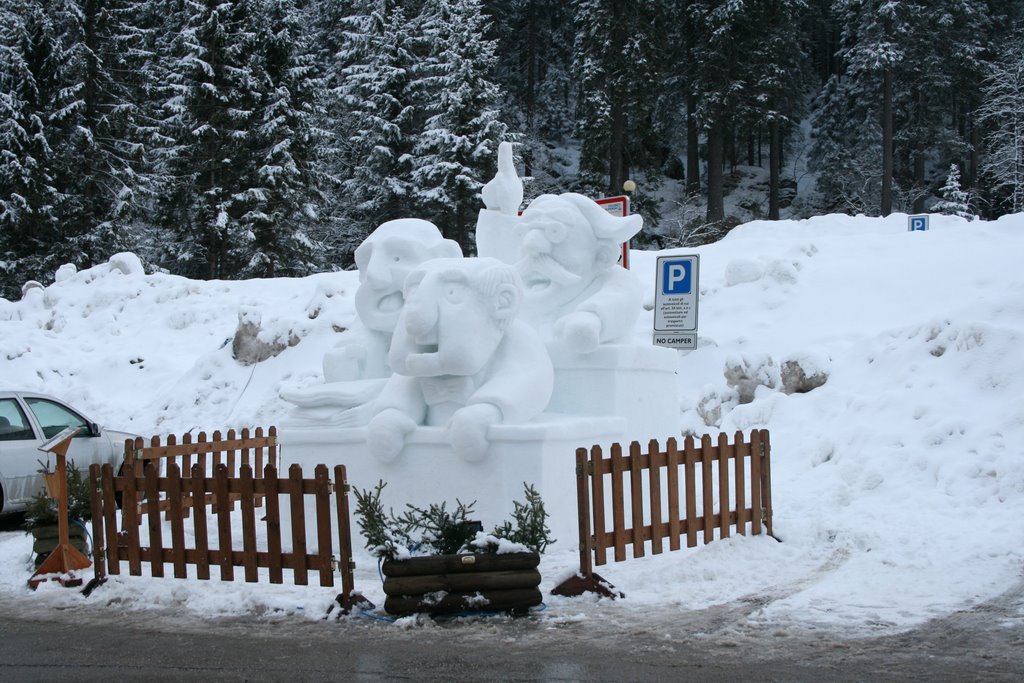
898,486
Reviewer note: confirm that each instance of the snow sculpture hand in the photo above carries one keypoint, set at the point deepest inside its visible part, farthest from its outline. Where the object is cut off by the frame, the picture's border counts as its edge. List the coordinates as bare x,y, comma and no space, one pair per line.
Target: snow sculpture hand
504,193
468,428
580,331
461,358
386,433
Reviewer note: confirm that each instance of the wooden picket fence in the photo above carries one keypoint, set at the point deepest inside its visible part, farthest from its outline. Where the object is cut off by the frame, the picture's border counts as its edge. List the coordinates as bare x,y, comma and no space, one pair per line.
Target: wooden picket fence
112,547
233,450
696,491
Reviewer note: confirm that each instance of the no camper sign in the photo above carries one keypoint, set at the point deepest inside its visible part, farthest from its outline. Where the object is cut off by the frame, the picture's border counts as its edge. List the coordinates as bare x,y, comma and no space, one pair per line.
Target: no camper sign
676,294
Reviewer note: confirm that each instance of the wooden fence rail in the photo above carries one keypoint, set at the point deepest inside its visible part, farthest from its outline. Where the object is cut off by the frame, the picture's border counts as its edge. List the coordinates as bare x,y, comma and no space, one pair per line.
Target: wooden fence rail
232,450
113,547
669,495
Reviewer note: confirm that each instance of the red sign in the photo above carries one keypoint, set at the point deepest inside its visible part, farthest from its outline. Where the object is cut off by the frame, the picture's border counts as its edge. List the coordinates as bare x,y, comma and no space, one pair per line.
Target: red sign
618,206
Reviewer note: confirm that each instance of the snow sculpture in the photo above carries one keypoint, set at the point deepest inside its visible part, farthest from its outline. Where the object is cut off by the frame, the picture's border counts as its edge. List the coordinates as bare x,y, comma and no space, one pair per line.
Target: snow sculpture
461,359
566,249
356,369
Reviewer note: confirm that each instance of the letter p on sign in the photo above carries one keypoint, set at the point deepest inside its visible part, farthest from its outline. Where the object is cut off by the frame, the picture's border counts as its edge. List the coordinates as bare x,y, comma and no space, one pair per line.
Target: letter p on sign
676,277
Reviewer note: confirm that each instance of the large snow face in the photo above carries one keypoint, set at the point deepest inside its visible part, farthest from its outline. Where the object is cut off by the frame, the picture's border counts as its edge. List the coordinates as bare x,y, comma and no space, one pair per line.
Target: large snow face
461,359
385,260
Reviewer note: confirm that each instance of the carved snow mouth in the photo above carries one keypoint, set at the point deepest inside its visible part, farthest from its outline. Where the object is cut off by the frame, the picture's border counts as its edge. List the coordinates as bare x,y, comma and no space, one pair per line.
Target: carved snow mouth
537,284
391,303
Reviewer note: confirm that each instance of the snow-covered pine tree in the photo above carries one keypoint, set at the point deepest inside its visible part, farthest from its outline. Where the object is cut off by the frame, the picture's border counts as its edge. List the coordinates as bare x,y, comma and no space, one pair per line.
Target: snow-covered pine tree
33,239
1002,112
103,167
383,93
456,151
286,141
535,41
615,57
955,201
211,163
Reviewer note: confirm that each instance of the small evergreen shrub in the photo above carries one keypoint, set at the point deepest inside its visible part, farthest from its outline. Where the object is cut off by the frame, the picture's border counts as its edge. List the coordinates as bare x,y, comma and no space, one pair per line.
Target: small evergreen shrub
436,530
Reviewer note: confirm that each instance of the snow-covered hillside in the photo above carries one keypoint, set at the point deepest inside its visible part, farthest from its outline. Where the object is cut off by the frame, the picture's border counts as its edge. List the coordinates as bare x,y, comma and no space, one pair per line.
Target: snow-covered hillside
898,485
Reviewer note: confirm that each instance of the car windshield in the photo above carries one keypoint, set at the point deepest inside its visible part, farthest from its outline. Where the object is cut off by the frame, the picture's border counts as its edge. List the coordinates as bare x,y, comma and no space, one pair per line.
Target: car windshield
13,424
53,417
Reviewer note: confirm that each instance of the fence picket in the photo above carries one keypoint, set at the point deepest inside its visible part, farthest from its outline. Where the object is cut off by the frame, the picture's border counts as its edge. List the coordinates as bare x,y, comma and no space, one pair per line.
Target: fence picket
323,524
270,484
345,565
691,492
597,498
245,488
175,493
724,451
766,480
707,493
636,495
653,459
755,485
298,509
156,560
96,509
220,485
110,517
672,464
186,467
741,452
618,504
199,522
232,461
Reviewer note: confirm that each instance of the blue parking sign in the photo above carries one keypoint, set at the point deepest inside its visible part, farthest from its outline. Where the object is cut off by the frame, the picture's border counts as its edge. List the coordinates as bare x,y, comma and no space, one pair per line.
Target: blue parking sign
917,223
677,277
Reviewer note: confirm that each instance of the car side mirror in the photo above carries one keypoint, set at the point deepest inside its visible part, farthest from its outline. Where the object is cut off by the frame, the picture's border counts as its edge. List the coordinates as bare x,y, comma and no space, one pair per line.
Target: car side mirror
94,429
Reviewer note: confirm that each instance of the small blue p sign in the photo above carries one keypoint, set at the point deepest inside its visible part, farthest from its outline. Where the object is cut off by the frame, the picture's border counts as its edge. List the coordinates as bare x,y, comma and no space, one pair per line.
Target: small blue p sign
677,277
916,223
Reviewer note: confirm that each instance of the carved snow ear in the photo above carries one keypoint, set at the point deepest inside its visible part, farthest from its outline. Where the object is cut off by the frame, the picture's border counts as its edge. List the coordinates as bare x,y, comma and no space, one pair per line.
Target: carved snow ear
607,252
506,301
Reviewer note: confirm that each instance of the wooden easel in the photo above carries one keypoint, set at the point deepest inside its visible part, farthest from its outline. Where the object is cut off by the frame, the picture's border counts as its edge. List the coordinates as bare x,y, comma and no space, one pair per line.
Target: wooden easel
65,558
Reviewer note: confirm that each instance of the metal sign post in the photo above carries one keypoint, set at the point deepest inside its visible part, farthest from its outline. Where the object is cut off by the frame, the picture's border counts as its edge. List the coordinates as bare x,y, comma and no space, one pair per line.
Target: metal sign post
676,294
65,558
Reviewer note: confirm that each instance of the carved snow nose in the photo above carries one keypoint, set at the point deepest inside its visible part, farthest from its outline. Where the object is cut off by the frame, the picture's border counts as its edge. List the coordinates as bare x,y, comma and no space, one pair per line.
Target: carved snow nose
420,317
377,273
536,243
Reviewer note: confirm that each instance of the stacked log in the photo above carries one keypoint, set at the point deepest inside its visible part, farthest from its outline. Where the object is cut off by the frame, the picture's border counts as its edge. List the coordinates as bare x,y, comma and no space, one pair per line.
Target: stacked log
447,584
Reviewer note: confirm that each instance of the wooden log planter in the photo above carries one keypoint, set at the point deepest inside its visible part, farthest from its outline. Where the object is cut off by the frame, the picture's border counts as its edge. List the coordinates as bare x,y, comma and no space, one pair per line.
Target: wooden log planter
447,584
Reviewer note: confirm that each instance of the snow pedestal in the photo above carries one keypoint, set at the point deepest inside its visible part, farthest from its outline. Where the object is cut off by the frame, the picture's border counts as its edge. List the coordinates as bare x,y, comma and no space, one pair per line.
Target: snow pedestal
540,453
636,383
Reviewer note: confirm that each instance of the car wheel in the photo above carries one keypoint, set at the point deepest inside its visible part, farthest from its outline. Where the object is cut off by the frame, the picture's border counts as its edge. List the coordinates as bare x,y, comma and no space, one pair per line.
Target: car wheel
1,499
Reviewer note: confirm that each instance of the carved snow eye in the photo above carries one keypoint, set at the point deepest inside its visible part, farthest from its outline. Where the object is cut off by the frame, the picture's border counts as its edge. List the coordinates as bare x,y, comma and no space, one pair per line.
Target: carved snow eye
454,292
554,232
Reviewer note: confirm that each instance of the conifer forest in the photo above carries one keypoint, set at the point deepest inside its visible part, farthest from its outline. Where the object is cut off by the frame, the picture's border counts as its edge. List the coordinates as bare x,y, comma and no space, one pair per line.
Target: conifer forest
225,139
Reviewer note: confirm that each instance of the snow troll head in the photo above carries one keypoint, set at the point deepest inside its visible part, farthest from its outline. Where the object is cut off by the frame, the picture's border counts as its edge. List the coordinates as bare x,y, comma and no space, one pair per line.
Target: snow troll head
386,258
462,359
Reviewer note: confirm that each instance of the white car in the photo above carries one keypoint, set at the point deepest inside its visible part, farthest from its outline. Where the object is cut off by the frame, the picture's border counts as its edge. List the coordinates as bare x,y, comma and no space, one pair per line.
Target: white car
28,419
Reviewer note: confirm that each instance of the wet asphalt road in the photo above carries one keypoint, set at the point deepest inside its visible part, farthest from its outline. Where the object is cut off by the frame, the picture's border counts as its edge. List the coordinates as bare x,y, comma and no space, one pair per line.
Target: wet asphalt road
87,643
92,645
